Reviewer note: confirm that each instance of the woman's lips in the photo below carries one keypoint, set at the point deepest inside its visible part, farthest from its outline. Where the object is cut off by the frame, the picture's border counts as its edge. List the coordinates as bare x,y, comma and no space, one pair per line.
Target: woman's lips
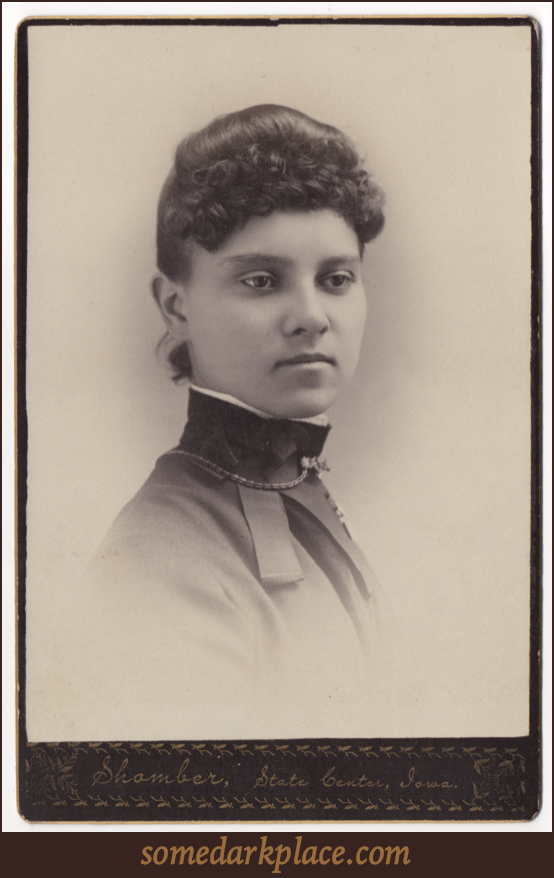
306,360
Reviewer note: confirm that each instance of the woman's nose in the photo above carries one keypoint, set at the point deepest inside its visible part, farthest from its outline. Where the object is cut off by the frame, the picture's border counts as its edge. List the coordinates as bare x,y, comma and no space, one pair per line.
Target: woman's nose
306,312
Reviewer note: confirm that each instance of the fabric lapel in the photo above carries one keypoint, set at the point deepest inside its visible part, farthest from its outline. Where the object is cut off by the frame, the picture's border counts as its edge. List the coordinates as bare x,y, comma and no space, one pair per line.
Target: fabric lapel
311,495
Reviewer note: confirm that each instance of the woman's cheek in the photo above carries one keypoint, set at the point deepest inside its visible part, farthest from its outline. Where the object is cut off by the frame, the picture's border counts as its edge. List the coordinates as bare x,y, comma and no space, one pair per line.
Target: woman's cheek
354,338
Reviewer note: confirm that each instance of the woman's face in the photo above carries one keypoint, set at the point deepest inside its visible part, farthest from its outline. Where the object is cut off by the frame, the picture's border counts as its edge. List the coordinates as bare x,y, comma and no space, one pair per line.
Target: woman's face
275,316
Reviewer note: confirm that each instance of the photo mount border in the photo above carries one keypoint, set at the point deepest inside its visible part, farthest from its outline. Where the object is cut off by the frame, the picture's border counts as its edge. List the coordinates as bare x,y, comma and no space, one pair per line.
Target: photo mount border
495,779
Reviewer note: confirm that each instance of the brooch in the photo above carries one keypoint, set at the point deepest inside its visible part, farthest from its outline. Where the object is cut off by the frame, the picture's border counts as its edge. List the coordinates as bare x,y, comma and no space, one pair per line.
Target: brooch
315,466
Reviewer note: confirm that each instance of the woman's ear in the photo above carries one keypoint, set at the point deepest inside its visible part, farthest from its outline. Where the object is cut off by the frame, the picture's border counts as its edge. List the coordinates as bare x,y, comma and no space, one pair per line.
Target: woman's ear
170,299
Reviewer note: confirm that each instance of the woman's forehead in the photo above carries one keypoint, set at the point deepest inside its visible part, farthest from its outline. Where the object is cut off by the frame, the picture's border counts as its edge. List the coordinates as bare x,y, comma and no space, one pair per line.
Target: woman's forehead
286,234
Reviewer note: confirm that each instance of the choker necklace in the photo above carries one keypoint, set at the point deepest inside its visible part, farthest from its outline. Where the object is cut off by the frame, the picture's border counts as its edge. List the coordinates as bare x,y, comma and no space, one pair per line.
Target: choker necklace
310,465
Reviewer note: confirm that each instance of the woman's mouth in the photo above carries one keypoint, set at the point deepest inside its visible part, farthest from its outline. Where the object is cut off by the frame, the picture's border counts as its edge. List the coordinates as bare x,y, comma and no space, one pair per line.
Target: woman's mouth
306,360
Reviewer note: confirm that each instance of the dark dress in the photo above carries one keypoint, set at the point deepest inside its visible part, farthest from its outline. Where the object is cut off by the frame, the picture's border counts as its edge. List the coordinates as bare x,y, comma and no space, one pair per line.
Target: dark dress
217,606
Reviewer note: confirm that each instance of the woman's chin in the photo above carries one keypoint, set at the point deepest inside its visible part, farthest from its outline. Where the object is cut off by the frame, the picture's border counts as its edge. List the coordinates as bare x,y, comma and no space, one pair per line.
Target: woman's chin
301,405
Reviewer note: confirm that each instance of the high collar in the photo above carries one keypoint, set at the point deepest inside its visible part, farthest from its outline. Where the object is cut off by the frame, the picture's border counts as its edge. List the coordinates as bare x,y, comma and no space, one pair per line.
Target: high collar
246,444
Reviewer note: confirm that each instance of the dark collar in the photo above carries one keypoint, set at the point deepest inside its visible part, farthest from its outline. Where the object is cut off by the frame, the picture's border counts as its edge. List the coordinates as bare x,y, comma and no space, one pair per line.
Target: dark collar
246,444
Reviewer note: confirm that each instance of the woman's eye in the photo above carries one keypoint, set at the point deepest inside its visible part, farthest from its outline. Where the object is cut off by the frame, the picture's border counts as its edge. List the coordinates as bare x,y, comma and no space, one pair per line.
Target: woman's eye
338,281
260,282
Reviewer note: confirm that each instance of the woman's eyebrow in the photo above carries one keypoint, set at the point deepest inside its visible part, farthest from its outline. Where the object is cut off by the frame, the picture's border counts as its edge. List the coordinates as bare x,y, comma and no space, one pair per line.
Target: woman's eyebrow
347,259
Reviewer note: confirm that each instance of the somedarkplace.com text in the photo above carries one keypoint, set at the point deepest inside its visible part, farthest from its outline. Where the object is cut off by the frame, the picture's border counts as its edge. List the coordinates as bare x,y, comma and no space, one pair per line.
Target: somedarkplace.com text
277,856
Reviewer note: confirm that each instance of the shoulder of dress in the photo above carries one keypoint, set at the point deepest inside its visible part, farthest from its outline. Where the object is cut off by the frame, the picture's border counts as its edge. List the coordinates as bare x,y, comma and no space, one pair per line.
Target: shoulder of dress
179,495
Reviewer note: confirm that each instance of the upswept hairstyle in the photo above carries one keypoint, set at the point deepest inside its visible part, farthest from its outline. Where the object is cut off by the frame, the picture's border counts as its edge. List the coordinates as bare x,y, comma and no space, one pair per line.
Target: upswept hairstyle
251,163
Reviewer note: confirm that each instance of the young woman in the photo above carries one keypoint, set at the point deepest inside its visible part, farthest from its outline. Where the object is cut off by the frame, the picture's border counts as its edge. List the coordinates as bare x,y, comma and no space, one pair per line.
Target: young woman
228,598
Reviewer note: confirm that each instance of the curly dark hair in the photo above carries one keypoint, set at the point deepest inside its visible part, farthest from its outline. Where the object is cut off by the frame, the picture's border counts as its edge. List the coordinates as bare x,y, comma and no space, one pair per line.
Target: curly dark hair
251,163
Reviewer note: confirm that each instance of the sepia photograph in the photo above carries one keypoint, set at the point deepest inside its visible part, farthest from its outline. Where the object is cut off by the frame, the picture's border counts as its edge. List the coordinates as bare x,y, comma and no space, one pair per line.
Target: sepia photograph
278,353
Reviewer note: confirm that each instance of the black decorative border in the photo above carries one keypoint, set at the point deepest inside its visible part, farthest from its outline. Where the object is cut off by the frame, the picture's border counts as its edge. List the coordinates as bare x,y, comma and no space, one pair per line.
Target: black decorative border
280,780
488,779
